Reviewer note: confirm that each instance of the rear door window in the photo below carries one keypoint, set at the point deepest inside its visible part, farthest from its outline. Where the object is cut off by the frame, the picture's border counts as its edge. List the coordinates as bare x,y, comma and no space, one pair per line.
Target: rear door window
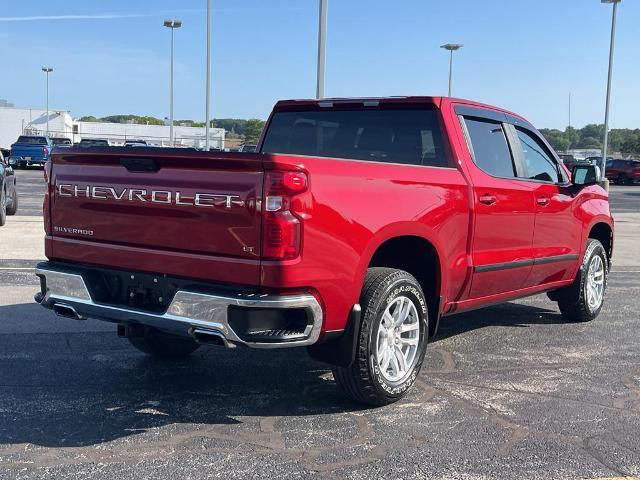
489,147
411,137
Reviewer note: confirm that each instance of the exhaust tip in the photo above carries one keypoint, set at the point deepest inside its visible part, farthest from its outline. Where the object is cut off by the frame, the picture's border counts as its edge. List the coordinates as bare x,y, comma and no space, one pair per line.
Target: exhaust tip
66,311
210,337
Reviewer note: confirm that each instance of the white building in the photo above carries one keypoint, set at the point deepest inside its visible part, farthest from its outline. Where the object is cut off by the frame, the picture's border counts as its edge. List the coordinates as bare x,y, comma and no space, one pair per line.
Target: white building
153,134
33,121
18,121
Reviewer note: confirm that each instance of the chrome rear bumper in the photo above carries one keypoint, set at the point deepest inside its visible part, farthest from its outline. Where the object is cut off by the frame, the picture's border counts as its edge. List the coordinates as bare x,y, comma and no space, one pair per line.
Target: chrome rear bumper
188,313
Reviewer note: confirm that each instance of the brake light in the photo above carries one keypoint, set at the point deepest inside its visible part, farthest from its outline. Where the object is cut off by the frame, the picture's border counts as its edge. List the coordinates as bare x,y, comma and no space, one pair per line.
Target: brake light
282,229
45,152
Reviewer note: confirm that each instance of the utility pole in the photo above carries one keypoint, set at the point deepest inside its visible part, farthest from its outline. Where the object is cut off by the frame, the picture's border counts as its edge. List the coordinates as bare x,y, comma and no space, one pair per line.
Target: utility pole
322,44
47,71
605,143
172,24
452,47
208,87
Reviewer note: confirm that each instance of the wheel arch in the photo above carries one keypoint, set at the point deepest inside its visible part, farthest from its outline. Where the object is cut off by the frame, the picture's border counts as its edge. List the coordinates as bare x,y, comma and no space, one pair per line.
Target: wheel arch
603,232
418,255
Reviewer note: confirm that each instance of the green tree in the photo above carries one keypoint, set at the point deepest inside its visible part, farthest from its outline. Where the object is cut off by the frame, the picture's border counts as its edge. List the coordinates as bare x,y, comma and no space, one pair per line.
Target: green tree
589,142
556,138
573,136
252,130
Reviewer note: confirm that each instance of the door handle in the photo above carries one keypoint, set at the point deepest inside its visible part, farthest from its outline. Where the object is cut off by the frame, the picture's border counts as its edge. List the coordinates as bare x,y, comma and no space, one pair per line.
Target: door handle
543,201
487,199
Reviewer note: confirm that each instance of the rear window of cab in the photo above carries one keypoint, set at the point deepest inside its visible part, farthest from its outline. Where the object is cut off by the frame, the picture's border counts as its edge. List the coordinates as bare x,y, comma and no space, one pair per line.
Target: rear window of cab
406,136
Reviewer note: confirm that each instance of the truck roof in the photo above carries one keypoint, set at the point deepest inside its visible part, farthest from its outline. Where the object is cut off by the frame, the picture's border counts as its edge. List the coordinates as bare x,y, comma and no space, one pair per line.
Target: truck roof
313,103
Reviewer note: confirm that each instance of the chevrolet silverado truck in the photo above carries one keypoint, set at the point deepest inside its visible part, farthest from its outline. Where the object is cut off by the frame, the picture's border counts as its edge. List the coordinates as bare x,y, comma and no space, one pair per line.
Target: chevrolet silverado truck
31,150
352,230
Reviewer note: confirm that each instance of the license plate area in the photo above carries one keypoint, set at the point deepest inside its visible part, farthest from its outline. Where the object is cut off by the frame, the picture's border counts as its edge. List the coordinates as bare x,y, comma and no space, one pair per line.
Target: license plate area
141,291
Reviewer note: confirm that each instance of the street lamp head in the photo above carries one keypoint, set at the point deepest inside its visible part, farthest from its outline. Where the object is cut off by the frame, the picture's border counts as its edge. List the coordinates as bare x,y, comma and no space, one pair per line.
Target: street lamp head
610,1
47,69
172,23
452,46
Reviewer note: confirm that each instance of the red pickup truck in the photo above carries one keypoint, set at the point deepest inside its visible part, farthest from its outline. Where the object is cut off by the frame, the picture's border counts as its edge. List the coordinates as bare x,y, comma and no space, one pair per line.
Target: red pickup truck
353,229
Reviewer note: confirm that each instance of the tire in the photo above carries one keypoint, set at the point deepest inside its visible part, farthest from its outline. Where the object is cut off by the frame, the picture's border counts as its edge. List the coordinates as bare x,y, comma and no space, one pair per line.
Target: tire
385,290
577,302
164,346
623,179
3,206
13,209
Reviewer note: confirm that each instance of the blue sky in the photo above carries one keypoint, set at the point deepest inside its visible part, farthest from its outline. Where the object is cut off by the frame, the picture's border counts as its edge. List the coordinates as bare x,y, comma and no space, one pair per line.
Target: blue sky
111,57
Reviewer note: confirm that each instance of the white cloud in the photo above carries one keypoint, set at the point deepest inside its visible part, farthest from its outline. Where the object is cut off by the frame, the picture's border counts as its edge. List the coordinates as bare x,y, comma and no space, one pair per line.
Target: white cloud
99,16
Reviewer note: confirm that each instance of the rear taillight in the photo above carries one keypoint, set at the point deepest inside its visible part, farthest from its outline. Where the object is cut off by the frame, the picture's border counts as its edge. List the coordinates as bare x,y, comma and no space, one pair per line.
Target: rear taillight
282,229
45,152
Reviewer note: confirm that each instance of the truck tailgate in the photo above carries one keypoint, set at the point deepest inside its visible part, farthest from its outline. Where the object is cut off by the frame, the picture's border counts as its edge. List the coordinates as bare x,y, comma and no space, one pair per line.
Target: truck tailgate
164,203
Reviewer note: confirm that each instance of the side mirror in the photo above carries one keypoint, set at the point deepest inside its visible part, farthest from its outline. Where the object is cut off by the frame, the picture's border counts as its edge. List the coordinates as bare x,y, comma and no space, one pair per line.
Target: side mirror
585,175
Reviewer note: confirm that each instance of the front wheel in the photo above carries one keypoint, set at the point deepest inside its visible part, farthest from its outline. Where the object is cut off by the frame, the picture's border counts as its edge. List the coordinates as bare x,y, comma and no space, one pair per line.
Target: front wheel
623,179
3,206
13,209
583,300
392,340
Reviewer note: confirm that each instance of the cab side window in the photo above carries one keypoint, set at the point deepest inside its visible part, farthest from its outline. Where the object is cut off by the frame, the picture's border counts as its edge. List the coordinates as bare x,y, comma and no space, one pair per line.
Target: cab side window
489,147
539,164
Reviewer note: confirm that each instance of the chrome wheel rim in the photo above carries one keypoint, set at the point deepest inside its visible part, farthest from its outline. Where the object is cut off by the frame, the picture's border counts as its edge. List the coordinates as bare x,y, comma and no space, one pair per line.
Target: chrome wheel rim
397,339
595,282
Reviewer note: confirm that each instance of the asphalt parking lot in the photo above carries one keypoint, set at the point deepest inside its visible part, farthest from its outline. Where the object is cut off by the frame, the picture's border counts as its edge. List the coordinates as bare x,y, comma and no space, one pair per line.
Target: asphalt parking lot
507,391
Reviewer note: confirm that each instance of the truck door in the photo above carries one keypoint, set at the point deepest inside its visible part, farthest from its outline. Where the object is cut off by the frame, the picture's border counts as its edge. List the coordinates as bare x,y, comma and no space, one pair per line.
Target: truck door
504,207
557,235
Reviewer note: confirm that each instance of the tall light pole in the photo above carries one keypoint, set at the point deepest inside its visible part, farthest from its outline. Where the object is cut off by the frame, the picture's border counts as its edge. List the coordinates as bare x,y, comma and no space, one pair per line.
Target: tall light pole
47,71
208,87
322,44
605,143
172,24
452,47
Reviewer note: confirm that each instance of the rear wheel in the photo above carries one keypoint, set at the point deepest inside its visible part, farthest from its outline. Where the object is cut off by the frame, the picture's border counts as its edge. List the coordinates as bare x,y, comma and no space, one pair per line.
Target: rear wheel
623,179
583,300
164,346
392,341
13,209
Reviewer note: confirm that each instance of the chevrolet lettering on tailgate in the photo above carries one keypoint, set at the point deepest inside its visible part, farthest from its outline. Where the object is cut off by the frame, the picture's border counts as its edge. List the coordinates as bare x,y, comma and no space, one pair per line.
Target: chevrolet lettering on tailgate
100,192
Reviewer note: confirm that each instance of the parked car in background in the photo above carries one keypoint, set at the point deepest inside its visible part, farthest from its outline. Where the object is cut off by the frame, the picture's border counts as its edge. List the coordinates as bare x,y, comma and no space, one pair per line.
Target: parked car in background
93,142
61,142
247,148
623,172
8,192
135,143
31,150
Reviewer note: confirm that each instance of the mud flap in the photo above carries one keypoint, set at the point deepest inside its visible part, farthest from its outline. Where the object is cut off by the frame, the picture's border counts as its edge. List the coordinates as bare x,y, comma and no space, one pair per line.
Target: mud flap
340,351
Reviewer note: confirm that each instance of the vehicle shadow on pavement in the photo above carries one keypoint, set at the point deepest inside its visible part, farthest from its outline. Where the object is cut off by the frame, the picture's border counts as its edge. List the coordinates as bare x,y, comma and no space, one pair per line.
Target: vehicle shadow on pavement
503,315
71,388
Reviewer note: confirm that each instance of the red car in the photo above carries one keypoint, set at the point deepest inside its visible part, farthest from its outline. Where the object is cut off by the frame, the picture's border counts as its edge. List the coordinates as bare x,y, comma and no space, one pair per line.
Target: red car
623,172
356,226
